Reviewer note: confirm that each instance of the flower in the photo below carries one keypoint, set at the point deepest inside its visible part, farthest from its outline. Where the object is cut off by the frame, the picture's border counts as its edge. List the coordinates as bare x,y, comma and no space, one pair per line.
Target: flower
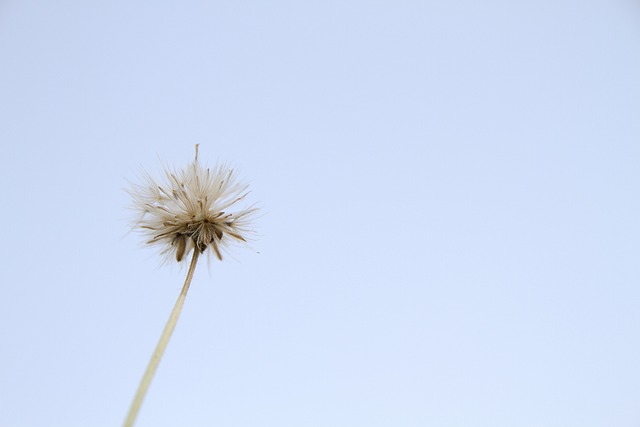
189,210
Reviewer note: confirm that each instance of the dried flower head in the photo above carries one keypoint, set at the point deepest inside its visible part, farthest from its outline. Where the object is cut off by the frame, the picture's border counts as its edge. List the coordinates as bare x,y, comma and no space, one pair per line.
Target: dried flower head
190,210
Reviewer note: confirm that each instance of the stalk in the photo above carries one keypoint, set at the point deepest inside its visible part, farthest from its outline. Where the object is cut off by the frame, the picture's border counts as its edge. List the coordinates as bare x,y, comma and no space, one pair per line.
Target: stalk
162,345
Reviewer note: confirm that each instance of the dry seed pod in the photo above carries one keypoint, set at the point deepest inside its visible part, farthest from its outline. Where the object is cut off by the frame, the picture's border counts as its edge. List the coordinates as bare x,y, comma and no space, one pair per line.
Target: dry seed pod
191,210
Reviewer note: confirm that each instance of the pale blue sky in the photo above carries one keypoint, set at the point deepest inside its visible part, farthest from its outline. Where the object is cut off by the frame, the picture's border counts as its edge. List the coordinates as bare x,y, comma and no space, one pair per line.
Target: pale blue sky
450,193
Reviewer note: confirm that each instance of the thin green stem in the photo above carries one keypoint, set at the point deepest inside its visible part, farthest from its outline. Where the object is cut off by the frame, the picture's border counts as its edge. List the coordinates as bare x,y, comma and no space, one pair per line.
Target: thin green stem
162,345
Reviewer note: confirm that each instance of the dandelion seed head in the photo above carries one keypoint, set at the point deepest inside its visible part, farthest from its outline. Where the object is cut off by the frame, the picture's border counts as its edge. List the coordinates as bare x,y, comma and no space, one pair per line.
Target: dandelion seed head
195,208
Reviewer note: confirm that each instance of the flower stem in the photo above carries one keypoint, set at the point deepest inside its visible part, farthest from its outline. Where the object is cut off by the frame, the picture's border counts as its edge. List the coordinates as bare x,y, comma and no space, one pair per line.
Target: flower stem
162,345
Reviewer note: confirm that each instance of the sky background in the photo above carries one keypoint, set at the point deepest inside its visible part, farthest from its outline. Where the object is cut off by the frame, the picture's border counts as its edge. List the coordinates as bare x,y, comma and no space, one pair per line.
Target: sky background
450,230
